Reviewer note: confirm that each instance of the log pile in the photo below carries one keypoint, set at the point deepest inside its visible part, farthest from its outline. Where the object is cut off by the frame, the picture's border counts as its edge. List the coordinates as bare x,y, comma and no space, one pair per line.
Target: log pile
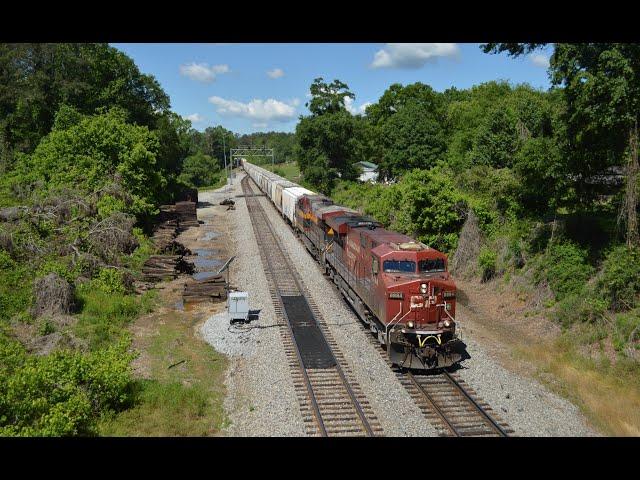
183,213
187,214
213,288
164,235
165,267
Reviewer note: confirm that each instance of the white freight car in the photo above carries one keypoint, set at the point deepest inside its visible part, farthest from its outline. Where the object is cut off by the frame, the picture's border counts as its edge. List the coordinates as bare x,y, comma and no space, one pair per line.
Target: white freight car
276,191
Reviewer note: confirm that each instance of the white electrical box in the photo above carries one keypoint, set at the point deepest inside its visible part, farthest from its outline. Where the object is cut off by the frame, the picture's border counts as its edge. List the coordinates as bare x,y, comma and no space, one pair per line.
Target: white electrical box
238,306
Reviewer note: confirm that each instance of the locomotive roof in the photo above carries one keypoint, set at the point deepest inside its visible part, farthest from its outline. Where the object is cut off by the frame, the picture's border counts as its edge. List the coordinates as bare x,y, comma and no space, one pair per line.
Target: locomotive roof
352,220
335,208
318,197
380,236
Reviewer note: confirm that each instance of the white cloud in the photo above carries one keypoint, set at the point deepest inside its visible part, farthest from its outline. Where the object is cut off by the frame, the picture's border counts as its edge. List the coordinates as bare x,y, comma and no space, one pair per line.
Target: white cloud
412,55
275,73
539,60
259,110
259,125
348,104
195,118
202,72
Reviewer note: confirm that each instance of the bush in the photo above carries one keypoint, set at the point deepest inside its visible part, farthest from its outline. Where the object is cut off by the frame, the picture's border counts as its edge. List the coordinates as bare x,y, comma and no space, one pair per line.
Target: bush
627,325
431,208
619,279
59,267
582,307
15,287
108,205
487,262
109,280
63,393
200,170
104,314
565,269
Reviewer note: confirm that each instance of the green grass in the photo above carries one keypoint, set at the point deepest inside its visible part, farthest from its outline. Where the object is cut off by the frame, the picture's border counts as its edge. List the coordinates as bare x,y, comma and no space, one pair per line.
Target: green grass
187,391
222,180
162,409
104,315
290,171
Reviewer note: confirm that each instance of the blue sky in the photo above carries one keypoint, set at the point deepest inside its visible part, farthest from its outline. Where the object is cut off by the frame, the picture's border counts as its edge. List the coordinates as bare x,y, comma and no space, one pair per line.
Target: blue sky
263,87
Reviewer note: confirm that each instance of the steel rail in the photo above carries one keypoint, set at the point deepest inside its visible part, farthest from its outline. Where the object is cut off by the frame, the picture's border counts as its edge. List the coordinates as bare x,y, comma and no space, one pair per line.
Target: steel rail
257,208
312,398
433,403
492,423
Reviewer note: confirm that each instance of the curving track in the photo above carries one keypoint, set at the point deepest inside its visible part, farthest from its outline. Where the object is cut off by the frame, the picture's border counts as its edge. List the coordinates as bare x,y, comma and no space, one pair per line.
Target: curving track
331,402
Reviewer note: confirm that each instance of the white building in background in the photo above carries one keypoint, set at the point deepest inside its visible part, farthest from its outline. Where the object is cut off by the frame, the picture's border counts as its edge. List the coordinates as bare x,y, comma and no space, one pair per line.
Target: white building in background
369,172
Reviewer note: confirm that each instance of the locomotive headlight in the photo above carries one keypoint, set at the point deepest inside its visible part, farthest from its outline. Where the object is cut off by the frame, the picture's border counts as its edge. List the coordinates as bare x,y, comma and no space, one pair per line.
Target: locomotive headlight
447,323
423,288
410,324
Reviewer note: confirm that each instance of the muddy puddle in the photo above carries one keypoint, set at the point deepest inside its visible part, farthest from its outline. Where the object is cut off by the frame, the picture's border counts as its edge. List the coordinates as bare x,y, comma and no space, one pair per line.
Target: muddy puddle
206,263
210,235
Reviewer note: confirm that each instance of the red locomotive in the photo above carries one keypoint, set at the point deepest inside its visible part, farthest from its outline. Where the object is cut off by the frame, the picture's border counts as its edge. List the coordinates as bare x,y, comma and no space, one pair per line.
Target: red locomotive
399,287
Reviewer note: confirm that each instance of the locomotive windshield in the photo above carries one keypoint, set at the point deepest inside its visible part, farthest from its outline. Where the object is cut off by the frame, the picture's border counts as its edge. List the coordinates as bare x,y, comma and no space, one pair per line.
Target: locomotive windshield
399,266
431,266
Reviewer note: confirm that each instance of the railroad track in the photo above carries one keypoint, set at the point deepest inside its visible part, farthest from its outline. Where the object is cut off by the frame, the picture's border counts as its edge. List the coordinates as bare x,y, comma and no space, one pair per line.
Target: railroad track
331,401
445,400
452,406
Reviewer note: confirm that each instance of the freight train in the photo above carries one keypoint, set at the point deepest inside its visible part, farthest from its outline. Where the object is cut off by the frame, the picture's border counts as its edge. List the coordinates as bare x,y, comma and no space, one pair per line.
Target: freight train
399,287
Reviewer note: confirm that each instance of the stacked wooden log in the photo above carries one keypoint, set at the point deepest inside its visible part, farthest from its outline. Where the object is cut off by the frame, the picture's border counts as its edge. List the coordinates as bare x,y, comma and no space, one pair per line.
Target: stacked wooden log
213,288
187,215
164,235
165,267
183,213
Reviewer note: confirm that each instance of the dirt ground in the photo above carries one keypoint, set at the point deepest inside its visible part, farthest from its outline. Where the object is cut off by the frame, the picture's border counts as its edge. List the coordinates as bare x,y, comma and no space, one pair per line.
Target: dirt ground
211,248
502,321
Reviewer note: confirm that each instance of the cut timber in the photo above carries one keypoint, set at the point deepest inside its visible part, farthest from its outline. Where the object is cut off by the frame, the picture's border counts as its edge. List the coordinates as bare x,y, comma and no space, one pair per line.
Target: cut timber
214,288
165,267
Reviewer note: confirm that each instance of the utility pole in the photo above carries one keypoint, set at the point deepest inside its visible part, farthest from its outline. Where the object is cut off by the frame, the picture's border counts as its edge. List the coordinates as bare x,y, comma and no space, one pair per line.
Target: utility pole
224,152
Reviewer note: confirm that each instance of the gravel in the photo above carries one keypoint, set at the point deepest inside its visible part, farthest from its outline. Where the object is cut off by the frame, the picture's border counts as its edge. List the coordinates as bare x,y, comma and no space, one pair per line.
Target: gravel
260,398
529,407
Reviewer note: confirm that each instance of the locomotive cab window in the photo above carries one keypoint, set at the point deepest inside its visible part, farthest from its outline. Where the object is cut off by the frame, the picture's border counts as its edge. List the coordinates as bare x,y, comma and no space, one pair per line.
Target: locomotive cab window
431,266
399,266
